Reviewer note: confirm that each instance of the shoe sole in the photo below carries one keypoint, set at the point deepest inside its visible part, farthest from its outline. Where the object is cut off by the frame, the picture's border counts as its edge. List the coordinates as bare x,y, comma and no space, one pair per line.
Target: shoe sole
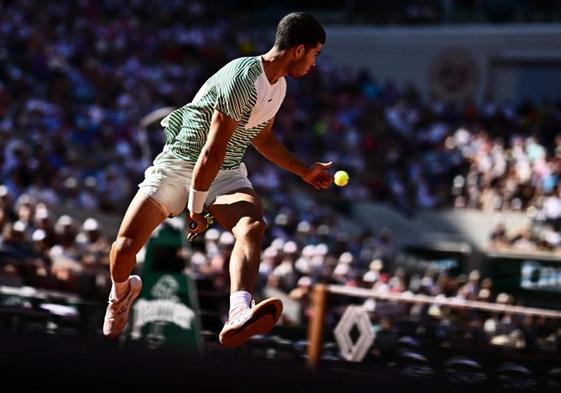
265,317
114,335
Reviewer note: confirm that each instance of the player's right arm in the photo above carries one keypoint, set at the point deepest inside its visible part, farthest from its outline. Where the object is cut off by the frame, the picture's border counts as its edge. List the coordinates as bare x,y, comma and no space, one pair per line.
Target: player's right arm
235,96
208,164
213,152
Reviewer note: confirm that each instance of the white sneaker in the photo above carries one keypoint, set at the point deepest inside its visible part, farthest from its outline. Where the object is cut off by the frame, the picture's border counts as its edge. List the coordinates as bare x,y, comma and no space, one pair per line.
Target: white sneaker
117,313
245,323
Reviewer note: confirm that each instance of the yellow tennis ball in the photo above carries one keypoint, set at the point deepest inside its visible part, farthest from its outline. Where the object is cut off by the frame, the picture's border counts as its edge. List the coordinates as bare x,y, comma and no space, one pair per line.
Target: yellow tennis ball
341,178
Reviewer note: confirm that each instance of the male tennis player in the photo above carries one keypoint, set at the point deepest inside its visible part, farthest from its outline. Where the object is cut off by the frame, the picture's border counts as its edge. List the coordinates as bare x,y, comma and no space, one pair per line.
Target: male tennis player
201,167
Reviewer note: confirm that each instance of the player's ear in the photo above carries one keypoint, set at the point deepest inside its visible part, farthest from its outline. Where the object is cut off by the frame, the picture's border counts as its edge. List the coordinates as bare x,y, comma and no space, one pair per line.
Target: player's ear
299,51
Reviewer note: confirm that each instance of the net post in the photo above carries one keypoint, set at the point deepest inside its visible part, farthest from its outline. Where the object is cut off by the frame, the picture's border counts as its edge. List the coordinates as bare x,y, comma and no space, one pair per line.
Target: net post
315,326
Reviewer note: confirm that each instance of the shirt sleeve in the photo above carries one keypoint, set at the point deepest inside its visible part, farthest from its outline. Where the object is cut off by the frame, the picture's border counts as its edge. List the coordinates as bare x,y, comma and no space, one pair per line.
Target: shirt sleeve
236,96
257,129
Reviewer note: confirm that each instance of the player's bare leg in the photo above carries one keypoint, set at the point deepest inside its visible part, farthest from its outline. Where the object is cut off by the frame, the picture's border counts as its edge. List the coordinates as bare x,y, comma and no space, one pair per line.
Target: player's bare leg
143,215
241,213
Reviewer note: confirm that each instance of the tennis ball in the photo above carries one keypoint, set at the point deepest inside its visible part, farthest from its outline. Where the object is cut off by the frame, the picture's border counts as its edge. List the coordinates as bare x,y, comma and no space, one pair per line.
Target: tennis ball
341,178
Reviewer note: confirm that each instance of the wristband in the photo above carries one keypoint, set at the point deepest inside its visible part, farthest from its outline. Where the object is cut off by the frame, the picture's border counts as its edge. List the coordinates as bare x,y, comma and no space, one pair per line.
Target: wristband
196,200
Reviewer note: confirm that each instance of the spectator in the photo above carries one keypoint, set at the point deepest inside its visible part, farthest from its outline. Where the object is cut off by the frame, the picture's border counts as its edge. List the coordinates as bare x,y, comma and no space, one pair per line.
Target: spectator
385,344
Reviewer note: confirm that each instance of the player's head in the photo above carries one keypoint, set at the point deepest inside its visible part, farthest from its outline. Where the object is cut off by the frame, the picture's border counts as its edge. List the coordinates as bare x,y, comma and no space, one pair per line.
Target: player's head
302,36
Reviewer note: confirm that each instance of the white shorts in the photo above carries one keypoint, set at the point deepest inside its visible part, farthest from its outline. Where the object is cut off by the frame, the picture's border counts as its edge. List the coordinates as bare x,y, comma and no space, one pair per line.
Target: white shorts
169,178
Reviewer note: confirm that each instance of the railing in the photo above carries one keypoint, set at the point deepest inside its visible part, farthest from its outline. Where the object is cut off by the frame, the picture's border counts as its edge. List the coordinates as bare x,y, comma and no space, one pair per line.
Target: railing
319,304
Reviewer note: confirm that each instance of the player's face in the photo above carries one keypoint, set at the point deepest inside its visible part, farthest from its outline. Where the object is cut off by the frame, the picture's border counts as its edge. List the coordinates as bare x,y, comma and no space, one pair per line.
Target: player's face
304,60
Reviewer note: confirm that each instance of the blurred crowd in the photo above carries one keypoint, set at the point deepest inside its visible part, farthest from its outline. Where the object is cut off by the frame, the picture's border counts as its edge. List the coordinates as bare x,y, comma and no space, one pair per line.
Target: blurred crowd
83,85
62,254
77,78
291,267
40,250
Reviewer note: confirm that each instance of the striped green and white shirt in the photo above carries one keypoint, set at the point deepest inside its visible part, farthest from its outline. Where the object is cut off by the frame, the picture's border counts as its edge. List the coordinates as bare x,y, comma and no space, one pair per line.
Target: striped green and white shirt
240,90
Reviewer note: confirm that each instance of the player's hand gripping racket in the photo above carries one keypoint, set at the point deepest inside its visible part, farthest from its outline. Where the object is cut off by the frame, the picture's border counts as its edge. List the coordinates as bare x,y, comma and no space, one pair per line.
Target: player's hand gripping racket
193,225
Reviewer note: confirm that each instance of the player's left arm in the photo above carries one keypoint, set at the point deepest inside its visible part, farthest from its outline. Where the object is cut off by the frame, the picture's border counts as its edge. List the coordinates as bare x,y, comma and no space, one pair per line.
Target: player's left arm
270,147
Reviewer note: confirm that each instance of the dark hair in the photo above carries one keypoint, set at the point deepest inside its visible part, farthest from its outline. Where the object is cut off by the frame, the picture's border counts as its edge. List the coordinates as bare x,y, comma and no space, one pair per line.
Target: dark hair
299,28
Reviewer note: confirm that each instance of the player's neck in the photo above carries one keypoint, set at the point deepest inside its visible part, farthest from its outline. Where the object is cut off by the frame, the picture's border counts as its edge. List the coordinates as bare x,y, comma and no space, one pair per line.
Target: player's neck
274,65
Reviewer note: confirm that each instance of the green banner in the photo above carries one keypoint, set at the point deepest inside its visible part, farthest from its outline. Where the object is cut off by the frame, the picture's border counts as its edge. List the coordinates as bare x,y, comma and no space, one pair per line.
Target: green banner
166,313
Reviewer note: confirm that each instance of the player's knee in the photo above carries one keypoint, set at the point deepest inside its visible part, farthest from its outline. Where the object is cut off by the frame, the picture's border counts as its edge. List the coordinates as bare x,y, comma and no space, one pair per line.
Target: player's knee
250,228
124,247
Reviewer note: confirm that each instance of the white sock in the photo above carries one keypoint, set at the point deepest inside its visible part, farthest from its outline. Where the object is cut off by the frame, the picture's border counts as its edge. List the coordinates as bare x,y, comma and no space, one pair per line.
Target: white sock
240,299
120,289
